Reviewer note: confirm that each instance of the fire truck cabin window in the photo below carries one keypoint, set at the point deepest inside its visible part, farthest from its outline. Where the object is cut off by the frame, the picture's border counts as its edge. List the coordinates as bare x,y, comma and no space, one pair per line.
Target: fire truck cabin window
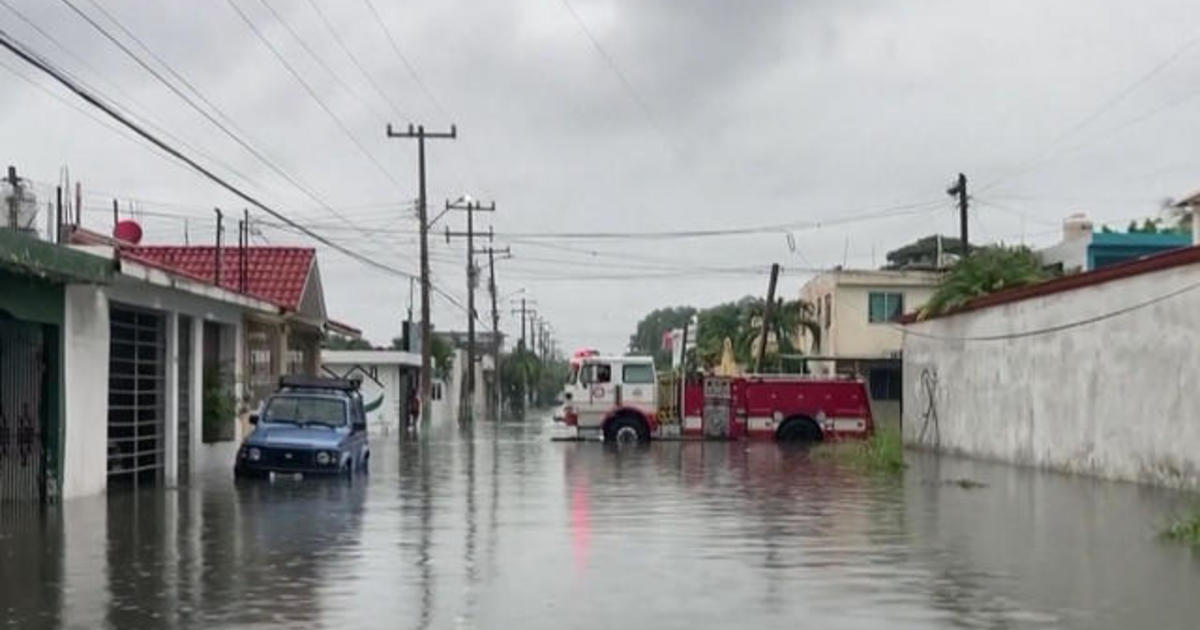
603,373
638,373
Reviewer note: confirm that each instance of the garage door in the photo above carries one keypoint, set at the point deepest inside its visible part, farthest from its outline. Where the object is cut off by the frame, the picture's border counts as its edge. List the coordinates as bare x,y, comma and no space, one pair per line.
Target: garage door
136,396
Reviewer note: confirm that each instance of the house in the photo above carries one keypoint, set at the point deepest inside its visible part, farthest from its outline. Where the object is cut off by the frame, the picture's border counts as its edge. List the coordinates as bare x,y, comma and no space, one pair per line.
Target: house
857,311
162,355
389,379
1084,249
34,348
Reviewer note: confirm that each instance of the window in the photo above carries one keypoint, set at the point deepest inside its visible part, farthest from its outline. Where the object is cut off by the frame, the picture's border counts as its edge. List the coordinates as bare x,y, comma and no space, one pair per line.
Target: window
435,391
637,373
603,373
595,373
828,310
305,410
884,307
885,383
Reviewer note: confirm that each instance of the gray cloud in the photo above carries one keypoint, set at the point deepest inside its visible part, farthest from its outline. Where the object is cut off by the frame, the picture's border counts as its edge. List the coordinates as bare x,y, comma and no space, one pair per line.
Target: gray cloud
760,113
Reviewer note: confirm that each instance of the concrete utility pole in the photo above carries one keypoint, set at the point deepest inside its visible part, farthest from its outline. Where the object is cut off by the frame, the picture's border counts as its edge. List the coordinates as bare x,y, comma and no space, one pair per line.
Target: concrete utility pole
768,310
491,252
470,207
959,189
426,332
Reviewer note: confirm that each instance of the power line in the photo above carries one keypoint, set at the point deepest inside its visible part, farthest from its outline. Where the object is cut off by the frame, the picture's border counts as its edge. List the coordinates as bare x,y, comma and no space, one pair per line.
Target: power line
321,62
412,71
1060,327
625,82
1115,99
354,59
29,56
182,79
312,92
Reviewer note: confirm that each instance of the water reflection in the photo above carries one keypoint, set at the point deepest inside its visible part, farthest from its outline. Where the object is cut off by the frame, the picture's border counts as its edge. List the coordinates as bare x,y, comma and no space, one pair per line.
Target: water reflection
498,527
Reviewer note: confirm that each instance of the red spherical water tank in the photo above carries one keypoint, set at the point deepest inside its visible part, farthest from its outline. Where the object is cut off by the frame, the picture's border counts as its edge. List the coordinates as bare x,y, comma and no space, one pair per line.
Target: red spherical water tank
128,231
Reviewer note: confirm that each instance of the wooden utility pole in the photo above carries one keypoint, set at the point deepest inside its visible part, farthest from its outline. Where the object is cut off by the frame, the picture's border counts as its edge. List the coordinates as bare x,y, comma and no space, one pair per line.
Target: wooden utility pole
768,310
470,207
423,214
959,189
491,252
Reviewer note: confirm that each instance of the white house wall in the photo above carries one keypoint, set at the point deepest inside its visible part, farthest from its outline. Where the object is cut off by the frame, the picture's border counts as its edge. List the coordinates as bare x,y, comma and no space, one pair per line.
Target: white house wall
1115,398
86,356
85,366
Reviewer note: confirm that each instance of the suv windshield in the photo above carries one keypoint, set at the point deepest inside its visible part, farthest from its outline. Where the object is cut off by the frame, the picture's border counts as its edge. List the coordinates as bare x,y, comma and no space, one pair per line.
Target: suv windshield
306,410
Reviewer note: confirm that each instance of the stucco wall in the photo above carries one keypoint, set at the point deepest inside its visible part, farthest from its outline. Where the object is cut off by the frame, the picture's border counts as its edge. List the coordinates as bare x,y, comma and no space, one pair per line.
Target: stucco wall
85,370
1115,398
854,336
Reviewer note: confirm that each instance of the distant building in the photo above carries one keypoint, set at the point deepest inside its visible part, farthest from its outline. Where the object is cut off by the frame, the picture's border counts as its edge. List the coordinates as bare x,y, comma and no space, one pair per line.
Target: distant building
857,311
389,378
1084,249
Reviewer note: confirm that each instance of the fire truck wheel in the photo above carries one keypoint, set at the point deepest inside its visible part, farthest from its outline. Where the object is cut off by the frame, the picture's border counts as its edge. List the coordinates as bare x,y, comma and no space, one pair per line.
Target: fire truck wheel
799,430
627,429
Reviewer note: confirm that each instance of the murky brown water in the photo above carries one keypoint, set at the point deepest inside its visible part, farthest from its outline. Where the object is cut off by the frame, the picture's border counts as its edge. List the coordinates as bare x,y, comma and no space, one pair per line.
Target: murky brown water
517,532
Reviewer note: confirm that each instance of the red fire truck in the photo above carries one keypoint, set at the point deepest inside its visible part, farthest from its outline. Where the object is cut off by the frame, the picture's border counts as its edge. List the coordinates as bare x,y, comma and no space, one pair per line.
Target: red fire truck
621,398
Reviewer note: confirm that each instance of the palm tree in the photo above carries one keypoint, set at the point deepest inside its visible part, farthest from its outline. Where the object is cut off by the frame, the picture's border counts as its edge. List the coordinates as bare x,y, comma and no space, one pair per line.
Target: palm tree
986,270
787,321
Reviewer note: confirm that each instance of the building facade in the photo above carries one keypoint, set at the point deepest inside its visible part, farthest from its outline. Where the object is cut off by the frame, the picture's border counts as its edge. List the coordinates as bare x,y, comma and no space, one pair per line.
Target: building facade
857,312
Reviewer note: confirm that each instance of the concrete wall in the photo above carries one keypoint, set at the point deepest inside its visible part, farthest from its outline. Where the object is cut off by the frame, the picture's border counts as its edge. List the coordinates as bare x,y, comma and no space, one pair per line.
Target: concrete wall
85,369
1115,398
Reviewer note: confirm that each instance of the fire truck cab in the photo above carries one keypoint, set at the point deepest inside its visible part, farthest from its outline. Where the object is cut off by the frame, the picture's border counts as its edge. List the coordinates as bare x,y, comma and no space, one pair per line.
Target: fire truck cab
613,397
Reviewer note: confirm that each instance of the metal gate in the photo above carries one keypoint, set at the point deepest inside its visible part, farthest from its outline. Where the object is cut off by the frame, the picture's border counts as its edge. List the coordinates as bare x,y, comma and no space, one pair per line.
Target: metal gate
22,418
136,384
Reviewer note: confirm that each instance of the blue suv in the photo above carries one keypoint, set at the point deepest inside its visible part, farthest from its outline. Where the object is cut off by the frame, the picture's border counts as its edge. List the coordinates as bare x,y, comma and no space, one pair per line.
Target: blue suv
309,426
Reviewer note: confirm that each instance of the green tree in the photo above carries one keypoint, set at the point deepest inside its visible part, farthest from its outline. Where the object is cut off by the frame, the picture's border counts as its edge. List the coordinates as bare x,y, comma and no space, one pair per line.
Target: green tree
714,326
339,342
986,270
787,319
647,339
441,351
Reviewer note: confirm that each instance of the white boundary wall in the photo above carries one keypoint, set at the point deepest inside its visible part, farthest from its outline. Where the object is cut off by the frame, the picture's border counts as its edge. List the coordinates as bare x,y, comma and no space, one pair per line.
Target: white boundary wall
1117,398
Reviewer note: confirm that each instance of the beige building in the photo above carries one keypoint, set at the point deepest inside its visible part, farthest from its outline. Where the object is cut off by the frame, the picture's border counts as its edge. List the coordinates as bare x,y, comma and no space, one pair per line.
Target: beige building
857,311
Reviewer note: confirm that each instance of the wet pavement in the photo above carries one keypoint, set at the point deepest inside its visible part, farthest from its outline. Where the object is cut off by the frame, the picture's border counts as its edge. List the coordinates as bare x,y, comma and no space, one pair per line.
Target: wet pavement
502,528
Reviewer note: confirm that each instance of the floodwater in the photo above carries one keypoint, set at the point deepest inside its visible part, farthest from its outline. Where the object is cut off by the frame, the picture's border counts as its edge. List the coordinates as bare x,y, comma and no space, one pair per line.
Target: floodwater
502,528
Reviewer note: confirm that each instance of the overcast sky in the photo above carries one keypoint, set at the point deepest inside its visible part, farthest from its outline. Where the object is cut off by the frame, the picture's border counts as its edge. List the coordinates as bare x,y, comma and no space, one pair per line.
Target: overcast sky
695,115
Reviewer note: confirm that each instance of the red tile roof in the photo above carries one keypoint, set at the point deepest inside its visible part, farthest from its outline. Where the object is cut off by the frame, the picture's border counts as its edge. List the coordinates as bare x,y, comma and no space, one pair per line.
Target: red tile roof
1146,264
274,274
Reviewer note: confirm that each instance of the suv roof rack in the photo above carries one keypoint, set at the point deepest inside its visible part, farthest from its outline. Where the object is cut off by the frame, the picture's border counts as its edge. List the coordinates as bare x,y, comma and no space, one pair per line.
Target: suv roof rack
318,382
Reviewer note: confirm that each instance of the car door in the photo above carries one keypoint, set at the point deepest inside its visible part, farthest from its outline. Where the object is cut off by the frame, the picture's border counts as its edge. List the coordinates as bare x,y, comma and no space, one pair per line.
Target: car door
598,395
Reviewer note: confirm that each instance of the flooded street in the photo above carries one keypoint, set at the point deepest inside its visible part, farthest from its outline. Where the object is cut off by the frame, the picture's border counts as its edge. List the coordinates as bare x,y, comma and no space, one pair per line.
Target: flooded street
505,529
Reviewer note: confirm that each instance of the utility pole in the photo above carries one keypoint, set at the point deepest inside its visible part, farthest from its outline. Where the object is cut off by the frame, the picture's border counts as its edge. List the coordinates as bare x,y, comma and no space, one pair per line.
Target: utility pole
422,212
14,200
216,252
527,313
491,252
959,189
766,324
470,207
